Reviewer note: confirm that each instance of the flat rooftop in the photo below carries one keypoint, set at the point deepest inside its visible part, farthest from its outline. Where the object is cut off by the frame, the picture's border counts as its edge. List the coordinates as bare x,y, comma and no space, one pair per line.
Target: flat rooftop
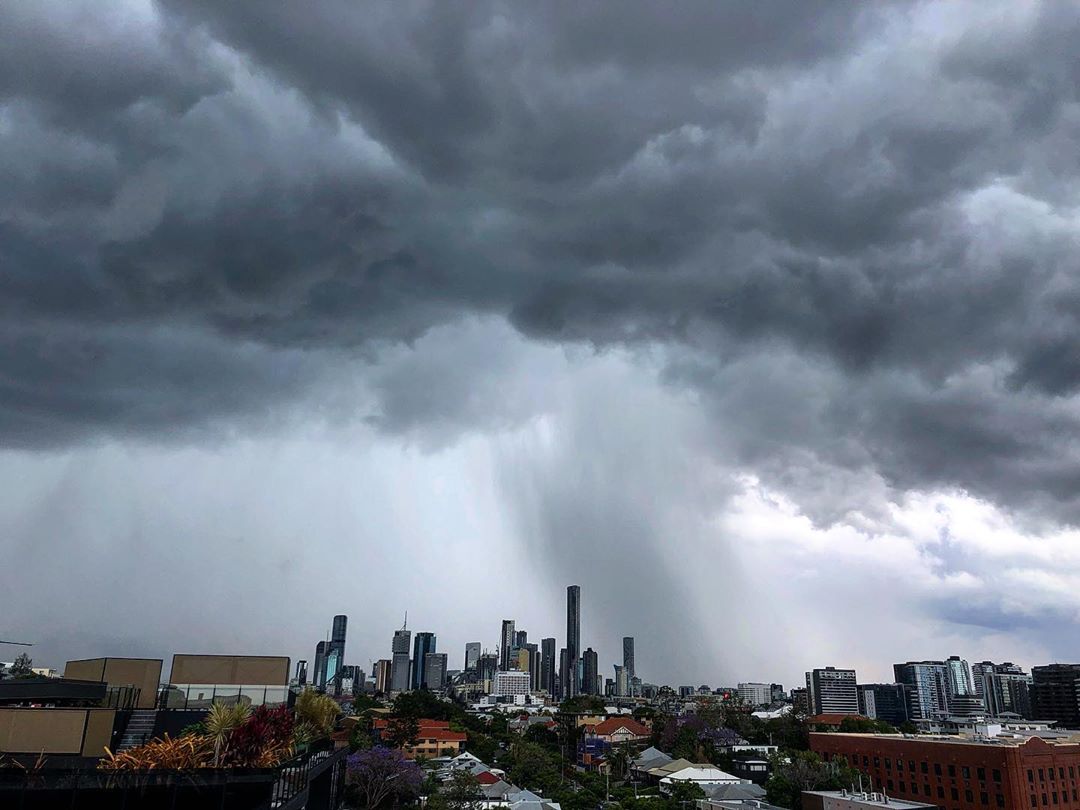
1006,740
868,799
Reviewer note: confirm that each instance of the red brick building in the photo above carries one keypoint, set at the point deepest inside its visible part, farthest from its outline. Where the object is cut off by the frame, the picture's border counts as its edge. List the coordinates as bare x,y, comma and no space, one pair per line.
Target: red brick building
963,773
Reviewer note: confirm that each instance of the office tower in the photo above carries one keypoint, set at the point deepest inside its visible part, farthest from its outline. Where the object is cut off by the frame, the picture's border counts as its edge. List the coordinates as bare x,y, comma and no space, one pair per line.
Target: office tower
832,691
573,639
510,683
800,700
628,657
486,668
1054,694
382,673
337,646
534,666
301,673
609,687
1004,688
399,665
521,638
318,677
472,656
332,679
884,701
434,671
521,661
755,694
590,680
423,643
959,672
927,685
564,672
506,642
776,692
548,665
622,683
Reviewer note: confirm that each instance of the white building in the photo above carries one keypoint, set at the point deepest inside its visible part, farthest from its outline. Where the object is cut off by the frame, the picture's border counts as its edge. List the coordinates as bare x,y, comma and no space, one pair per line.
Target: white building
511,683
701,775
755,694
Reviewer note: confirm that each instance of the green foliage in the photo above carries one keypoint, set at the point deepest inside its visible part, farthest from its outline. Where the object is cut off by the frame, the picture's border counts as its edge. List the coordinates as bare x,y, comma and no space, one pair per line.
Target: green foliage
401,731
805,770
865,725
220,722
532,766
462,792
583,704
23,667
360,737
684,793
907,727
422,704
319,710
542,736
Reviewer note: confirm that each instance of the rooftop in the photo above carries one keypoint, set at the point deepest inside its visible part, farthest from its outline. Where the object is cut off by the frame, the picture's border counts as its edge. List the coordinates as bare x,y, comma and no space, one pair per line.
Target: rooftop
1020,739
868,799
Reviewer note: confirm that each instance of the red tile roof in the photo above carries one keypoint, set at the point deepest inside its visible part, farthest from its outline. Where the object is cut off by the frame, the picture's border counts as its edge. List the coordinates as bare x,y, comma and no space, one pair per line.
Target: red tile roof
487,778
830,719
613,724
423,723
442,735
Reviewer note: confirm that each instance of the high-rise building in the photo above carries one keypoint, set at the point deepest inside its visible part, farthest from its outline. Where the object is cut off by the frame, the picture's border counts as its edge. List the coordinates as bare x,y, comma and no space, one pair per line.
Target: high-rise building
884,701
590,681
423,644
800,700
337,645
383,670
832,691
776,692
434,671
472,655
301,673
755,694
927,685
506,642
564,672
511,683
548,665
318,677
486,669
399,667
1054,694
521,638
521,661
573,639
622,683
628,657
959,672
534,666
1004,688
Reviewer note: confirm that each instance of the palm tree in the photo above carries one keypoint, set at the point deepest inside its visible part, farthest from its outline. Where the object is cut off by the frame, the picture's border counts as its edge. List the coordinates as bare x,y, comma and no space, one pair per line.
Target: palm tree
220,722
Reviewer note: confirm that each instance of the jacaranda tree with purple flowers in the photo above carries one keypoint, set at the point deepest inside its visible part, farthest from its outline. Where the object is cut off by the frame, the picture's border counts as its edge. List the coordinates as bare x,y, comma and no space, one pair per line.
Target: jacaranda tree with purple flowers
378,773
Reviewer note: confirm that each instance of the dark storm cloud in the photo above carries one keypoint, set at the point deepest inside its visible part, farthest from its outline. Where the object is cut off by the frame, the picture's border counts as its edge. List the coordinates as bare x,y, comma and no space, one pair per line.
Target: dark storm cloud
880,199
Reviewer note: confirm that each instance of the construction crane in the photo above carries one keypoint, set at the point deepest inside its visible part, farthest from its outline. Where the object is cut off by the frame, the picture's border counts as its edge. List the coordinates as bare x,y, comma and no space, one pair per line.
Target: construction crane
18,643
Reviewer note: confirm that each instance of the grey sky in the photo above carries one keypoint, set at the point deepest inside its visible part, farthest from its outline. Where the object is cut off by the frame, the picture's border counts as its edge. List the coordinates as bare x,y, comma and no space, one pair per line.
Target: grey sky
758,323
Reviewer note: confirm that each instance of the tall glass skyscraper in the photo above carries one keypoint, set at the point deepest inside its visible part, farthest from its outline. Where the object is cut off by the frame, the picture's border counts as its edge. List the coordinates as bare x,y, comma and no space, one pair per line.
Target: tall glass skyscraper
336,652
628,657
548,665
506,643
572,684
472,655
423,644
399,665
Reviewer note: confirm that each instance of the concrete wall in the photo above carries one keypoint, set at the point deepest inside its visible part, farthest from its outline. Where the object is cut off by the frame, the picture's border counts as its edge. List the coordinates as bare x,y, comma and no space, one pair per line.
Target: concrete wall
230,669
142,673
75,732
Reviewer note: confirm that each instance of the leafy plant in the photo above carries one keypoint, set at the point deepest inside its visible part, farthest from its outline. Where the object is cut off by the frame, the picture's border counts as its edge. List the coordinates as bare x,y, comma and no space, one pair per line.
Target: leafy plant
320,710
378,773
220,722
166,753
263,740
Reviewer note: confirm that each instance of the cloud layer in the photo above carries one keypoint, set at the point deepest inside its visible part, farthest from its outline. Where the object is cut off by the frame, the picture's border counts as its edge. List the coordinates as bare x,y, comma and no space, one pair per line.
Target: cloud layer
828,250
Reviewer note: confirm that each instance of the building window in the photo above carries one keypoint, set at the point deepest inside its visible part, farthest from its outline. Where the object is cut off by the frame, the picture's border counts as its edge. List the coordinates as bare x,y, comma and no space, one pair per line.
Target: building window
866,760
877,762
1034,801
969,796
965,771
999,799
955,794
1054,796
1044,800
980,773
901,788
1061,772
940,792
1074,794
984,798
952,770
888,763
1072,772
911,765
996,774
926,789
937,769
924,766
1042,775
889,784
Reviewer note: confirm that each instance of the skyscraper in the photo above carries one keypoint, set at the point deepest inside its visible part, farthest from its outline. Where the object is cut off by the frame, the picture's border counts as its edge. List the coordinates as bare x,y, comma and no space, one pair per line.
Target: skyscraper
534,666
382,673
521,638
548,665
622,683
506,642
301,672
960,681
434,671
423,644
884,701
927,685
399,666
1055,694
564,672
573,639
832,691
590,682
318,675
337,650
628,657
472,655
1004,688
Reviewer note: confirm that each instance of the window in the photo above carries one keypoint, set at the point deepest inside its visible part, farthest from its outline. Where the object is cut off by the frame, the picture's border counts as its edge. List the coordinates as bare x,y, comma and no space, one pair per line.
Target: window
924,767
952,770
1054,796
901,788
984,798
996,774
866,760
911,765
888,763
999,799
940,792
1044,800
1034,801
969,796
937,769
980,774
955,793
926,789
1072,772
1042,775
889,784
1061,772
965,771
1074,795
877,762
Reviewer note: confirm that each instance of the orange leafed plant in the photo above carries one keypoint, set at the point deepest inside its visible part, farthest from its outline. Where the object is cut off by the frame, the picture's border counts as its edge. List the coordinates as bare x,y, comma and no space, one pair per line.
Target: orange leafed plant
183,753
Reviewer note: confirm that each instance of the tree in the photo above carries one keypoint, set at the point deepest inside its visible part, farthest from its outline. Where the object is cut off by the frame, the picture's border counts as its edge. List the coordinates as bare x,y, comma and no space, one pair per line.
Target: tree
375,775
685,793
865,725
422,704
462,792
541,735
805,770
401,732
23,667
533,766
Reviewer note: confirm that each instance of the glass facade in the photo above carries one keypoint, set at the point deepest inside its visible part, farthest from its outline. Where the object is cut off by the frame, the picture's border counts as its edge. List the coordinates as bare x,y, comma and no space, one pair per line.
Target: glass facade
203,695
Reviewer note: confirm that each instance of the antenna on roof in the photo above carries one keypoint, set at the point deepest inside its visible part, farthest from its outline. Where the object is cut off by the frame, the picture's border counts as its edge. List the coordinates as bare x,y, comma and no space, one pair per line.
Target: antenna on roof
406,625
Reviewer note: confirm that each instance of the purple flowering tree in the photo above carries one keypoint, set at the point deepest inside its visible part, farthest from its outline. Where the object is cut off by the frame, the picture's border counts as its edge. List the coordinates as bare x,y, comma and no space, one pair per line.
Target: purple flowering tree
378,773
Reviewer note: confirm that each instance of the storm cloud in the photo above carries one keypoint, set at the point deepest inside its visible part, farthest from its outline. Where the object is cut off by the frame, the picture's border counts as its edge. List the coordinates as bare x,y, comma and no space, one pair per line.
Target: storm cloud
671,265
